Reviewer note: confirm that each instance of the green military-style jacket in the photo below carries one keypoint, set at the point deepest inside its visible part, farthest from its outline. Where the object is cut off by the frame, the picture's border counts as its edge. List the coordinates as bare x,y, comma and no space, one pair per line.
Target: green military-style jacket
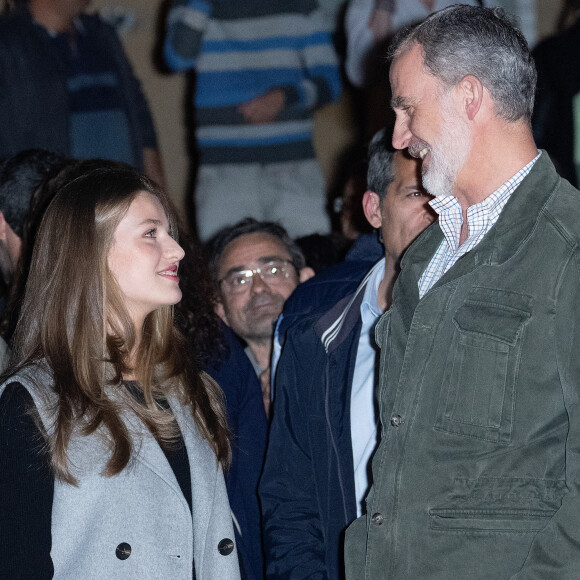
477,476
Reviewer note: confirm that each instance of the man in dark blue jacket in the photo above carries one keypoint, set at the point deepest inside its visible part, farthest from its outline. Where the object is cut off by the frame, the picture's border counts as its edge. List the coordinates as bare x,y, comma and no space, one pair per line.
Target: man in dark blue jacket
67,86
324,426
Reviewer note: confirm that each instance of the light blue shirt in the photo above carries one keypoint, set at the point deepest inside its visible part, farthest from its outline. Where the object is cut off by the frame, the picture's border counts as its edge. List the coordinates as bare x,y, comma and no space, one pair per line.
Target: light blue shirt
363,404
276,352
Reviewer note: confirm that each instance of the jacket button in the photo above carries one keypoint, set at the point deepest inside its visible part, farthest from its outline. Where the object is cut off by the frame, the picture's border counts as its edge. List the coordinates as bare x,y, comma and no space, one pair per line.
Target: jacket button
225,547
377,519
123,551
396,420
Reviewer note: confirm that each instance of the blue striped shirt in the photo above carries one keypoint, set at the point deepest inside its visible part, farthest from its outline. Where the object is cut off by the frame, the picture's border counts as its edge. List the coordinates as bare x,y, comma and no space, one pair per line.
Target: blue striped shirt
241,51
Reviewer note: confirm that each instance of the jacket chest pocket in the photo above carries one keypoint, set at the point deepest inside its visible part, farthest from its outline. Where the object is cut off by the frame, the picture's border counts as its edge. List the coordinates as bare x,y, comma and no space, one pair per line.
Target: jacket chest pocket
478,391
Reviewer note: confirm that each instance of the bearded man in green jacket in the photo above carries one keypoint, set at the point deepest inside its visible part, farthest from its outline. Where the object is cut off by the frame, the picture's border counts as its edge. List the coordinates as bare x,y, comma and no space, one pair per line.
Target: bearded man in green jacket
477,476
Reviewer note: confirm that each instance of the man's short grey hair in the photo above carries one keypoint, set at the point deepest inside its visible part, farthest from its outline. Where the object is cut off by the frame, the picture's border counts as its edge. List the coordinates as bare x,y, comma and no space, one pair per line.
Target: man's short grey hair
228,234
469,40
380,173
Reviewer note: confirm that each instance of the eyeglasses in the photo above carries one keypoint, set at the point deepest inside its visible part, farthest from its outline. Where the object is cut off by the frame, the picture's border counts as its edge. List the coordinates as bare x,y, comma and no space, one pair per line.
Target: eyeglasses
273,273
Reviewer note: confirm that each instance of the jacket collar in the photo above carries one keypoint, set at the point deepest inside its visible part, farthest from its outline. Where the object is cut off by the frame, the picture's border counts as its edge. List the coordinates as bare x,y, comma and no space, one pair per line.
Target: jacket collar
336,324
504,239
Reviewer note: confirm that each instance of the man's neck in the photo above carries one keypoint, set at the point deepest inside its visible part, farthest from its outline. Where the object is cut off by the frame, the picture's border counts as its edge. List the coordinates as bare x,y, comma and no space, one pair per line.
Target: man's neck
262,351
496,156
43,13
385,294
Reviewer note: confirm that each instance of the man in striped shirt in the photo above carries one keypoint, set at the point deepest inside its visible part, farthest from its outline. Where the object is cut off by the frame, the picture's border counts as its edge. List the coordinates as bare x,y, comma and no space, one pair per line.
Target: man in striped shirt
262,68
66,86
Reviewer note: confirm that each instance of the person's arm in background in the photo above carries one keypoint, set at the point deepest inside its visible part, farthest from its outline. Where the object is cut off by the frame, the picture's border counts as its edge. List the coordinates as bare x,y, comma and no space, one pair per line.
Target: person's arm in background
136,105
367,22
153,166
319,84
186,24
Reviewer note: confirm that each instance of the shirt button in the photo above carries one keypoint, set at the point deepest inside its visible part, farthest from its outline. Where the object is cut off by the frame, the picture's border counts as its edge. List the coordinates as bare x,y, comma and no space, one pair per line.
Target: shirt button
377,519
123,551
225,547
396,420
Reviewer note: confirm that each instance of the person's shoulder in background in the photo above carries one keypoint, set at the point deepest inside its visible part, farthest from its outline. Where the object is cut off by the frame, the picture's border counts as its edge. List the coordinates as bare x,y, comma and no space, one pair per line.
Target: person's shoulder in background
324,290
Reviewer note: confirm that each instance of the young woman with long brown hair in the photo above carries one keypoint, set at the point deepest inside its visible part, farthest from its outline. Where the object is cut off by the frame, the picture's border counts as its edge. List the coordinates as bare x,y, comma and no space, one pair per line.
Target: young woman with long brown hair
111,442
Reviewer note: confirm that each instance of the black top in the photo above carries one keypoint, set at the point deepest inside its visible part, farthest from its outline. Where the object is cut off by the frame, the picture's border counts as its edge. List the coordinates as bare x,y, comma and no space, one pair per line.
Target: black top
175,453
27,487
26,490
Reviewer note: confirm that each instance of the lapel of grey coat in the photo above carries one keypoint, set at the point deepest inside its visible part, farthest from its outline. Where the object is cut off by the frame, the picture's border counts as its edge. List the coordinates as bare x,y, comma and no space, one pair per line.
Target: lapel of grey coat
200,456
148,452
204,469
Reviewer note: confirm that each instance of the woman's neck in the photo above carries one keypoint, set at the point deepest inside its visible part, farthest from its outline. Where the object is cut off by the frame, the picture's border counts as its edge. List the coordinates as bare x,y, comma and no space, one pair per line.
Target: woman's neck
131,364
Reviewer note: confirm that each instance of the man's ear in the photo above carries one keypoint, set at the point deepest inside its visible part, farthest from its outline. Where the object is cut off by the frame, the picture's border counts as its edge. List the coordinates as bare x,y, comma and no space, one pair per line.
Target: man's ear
3,228
372,208
305,274
472,93
220,311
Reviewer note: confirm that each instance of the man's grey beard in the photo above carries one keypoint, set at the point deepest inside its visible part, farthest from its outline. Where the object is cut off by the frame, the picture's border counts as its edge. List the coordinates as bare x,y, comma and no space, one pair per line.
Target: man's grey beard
448,156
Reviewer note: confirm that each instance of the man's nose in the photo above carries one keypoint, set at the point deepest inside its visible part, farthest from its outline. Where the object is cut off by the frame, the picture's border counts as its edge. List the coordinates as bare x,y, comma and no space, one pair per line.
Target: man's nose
401,135
258,285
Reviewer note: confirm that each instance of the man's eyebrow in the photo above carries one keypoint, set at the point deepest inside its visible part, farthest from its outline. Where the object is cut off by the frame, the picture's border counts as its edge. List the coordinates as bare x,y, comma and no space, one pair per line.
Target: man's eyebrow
400,102
262,260
410,188
266,259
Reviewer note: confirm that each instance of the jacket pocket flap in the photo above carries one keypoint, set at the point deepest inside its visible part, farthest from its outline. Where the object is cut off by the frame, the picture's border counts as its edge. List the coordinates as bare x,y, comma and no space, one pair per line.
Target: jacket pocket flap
492,313
489,520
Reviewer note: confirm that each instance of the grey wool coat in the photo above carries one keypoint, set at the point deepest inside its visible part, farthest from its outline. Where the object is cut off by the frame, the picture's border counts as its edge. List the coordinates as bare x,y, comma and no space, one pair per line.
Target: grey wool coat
142,507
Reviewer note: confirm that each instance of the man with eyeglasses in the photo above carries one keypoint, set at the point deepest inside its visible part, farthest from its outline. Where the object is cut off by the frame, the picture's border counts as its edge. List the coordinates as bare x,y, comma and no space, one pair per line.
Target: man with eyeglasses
256,266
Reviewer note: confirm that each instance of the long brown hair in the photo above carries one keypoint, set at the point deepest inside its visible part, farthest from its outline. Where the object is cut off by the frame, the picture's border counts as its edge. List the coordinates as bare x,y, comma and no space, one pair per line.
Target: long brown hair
74,317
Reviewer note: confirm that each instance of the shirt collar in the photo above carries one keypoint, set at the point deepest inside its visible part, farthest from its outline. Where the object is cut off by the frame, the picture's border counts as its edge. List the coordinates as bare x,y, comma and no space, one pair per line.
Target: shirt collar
446,203
479,215
79,28
369,307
